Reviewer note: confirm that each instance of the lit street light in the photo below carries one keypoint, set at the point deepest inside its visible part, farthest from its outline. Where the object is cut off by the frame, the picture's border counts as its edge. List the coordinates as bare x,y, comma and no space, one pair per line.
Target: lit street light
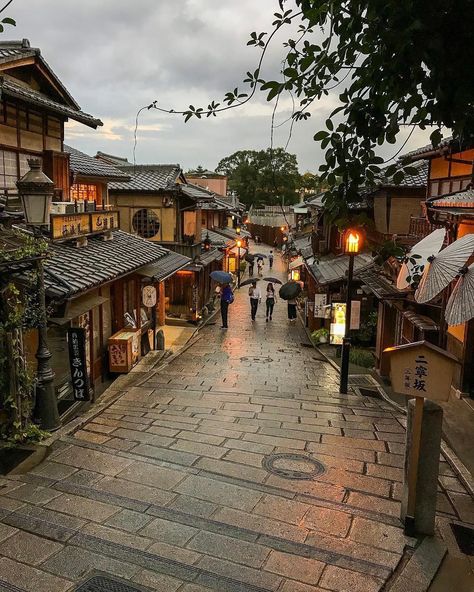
36,193
352,246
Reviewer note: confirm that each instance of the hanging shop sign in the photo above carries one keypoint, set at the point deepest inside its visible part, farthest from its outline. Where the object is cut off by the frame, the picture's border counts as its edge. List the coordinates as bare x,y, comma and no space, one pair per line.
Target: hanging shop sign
76,337
68,226
321,308
149,296
337,327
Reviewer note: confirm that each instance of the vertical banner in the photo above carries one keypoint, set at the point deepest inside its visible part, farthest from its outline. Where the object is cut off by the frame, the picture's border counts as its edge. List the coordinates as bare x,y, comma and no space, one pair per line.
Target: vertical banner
321,311
76,337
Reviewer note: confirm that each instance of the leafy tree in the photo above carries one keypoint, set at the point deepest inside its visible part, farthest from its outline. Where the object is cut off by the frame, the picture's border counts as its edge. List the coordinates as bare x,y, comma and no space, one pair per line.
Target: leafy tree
263,176
396,64
311,183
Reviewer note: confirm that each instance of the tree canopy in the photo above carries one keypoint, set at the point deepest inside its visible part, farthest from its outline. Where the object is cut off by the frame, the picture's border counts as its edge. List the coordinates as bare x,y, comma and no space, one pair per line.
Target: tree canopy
397,66
262,176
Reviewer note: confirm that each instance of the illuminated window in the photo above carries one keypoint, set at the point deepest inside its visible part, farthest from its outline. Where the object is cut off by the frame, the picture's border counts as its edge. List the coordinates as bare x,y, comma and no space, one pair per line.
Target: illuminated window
84,192
146,223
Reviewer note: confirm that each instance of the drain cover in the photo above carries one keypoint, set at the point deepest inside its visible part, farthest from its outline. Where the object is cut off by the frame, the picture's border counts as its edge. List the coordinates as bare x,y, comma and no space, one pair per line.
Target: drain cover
368,392
464,538
106,584
293,466
257,359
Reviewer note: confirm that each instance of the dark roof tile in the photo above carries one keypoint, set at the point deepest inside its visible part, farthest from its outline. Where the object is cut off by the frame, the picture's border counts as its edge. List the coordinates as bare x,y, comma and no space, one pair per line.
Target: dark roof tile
87,166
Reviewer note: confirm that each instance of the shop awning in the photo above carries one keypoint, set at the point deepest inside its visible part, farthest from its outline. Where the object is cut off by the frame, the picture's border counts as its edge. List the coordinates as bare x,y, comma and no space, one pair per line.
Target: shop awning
420,321
298,262
79,306
165,267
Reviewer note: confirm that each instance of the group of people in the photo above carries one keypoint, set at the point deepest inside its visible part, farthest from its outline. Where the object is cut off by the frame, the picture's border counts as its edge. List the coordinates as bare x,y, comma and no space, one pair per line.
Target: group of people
256,297
260,263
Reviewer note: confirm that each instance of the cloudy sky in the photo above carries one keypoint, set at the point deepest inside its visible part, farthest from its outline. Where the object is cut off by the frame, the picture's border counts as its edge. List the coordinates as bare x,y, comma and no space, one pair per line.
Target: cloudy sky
116,56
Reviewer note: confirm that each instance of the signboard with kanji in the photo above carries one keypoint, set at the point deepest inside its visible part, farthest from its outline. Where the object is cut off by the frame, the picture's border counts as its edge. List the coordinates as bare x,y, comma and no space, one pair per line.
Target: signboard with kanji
107,220
421,369
69,225
76,337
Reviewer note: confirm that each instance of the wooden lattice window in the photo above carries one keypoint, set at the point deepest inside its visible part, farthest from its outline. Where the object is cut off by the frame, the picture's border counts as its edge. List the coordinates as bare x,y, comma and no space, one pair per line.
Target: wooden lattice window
84,192
146,223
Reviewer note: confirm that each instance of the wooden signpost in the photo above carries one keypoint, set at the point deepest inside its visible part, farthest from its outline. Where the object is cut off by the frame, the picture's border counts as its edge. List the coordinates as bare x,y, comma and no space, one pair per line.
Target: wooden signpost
423,371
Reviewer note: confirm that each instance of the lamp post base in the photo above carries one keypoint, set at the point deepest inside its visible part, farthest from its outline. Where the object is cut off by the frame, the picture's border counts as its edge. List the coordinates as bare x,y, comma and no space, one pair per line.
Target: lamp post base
344,378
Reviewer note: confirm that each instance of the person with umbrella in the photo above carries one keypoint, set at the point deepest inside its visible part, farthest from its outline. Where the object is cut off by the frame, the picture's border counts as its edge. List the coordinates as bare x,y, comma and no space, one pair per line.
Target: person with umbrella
292,310
251,266
255,298
259,265
270,301
227,297
289,292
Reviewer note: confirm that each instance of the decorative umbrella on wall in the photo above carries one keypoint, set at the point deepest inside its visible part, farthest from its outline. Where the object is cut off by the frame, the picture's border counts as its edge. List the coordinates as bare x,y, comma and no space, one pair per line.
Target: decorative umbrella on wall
460,307
290,290
443,268
222,277
418,255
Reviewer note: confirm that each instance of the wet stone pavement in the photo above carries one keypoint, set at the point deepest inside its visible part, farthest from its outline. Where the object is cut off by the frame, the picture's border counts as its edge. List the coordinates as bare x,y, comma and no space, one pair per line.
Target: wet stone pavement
238,467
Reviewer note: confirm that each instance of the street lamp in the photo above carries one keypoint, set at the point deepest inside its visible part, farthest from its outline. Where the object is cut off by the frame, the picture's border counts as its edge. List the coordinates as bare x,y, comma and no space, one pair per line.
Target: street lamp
352,246
207,242
237,230
36,192
239,244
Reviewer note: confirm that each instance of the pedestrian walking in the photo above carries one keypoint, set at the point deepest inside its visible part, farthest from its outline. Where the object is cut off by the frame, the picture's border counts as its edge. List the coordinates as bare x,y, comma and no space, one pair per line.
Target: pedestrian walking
270,259
255,298
260,265
270,301
292,310
251,267
227,297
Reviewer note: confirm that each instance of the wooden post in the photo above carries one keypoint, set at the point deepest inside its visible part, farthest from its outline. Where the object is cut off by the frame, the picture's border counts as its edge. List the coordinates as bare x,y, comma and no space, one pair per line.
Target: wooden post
413,466
161,304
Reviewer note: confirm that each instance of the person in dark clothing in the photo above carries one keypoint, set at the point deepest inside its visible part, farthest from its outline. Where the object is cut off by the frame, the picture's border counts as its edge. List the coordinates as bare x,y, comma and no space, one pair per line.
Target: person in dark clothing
255,298
227,297
270,260
270,301
292,310
251,266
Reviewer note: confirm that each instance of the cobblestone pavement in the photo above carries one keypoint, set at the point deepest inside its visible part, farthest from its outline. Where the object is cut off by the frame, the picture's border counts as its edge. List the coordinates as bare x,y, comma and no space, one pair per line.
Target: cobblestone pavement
166,486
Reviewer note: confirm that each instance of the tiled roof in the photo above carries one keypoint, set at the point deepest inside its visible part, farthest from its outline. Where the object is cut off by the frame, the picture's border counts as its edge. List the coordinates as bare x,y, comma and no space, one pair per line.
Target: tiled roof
11,51
196,192
10,88
417,179
204,174
215,238
208,257
379,285
87,166
148,178
333,268
428,148
165,266
459,199
111,159
82,268
230,233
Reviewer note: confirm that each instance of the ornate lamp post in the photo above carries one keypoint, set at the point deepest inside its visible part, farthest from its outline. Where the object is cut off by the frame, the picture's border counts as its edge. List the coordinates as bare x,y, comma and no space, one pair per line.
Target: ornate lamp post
352,246
207,242
36,192
239,244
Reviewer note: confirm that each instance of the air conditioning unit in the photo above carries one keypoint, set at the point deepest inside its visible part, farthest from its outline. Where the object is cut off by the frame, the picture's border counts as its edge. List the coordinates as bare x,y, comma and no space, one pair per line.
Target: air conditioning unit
62,207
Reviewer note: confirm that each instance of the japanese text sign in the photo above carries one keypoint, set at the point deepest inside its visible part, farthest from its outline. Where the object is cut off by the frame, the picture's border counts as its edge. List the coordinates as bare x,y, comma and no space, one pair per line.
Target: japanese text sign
76,337
421,369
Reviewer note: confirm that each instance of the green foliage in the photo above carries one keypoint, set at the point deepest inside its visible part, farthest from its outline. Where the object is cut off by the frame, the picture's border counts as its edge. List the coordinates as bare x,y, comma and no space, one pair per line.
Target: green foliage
6,21
319,334
368,328
263,176
361,357
395,64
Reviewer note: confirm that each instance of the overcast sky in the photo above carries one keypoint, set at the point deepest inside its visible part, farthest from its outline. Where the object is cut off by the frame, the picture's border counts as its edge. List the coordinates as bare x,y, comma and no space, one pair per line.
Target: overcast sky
116,56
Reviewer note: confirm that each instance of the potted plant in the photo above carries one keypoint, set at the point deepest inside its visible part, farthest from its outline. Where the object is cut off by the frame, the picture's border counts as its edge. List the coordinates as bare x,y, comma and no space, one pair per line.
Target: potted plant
320,335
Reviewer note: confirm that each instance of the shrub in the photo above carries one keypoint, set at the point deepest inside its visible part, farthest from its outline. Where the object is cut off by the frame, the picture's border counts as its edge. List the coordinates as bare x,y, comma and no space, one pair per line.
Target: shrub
361,357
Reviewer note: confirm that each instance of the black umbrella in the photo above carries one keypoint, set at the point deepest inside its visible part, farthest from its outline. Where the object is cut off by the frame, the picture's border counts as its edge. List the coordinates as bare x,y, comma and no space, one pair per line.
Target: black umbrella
249,281
249,257
260,255
273,280
290,290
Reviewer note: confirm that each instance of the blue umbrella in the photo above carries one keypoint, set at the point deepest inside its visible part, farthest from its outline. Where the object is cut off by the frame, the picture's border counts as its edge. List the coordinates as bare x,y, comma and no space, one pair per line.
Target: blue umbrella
222,277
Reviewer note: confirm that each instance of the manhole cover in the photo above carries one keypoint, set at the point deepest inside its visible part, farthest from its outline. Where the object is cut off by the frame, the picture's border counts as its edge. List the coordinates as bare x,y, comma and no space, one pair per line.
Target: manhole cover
367,392
106,584
257,359
293,466
464,538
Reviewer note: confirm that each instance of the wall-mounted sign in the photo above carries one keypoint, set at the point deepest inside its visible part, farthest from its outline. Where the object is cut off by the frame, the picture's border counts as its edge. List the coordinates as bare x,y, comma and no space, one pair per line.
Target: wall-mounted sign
149,296
337,327
64,226
69,225
106,220
76,337
321,310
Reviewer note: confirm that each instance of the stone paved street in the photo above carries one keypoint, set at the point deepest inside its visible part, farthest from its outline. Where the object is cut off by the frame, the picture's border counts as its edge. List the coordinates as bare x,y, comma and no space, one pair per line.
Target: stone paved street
166,488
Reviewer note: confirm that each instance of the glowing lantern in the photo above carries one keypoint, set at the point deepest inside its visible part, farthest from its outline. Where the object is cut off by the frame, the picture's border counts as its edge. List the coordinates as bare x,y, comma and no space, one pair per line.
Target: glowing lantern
352,242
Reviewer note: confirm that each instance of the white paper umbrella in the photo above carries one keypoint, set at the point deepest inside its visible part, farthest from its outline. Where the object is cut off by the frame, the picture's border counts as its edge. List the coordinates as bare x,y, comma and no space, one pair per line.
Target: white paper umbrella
443,268
427,247
460,307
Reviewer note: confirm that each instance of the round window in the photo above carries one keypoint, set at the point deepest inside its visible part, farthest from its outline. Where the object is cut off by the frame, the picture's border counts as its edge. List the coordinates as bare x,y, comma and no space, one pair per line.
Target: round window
146,223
